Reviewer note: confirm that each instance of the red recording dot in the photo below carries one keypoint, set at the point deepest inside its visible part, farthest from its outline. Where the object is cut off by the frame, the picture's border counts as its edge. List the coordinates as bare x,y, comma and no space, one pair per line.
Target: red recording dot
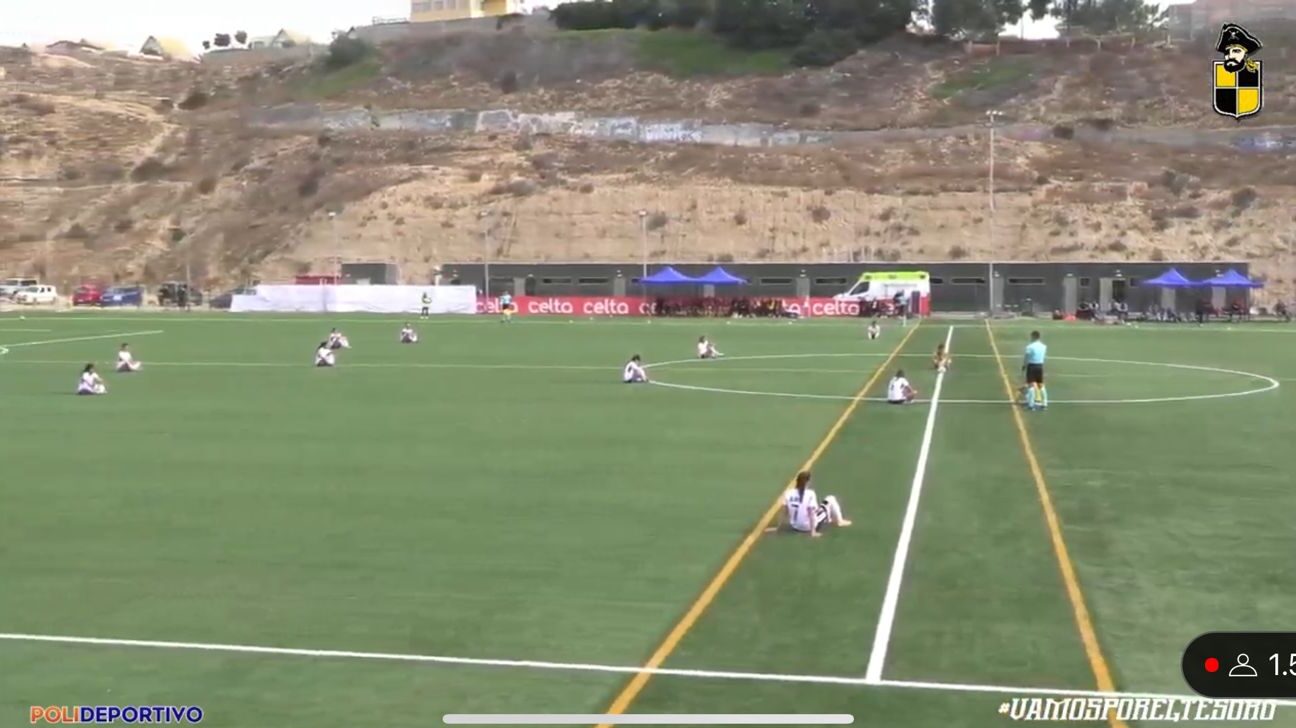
1212,664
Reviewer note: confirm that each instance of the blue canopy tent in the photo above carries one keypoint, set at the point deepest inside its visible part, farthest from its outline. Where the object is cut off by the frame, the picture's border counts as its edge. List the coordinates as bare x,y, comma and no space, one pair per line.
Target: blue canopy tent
1231,279
668,276
1170,283
721,277
1171,279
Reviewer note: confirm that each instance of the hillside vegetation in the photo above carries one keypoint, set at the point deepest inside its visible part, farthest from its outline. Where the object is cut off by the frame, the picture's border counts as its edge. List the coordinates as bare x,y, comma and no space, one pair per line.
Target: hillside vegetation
126,170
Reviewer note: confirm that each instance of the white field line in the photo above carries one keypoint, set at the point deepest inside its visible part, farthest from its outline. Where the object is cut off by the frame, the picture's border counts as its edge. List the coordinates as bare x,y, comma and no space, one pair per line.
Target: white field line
83,338
578,667
886,619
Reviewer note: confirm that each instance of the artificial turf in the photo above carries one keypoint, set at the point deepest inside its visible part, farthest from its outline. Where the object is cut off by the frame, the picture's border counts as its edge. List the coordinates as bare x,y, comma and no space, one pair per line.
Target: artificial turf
494,492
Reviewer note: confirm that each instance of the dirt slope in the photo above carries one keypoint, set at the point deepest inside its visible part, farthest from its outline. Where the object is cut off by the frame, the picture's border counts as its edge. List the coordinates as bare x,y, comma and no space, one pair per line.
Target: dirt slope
101,175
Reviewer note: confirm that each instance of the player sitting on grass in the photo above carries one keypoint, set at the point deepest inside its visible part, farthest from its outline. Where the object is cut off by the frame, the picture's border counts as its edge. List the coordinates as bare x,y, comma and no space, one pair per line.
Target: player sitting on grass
126,362
805,513
407,335
899,391
337,341
634,372
941,359
324,355
874,330
90,382
706,350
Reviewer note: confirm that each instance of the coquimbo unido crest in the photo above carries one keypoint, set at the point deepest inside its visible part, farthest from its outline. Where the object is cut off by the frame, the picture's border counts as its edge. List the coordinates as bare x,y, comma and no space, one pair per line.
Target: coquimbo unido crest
1239,80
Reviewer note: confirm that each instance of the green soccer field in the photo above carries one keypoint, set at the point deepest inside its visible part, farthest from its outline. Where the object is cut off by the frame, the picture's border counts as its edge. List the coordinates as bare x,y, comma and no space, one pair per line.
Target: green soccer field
488,521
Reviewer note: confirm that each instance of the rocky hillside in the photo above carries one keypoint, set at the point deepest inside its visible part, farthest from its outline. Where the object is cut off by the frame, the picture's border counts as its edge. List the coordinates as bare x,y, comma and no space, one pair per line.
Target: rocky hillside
131,170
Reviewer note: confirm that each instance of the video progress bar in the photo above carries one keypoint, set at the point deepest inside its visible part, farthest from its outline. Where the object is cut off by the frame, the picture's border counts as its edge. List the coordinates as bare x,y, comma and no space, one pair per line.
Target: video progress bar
648,719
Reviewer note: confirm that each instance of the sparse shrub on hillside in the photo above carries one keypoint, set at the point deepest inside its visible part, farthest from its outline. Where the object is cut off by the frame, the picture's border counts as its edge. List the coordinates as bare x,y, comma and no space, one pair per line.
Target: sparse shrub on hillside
123,225
1187,212
1174,181
399,222
346,51
474,176
809,108
70,174
324,139
957,252
1233,241
586,188
206,185
1244,197
820,214
740,218
657,221
195,100
544,162
149,170
1157,256
508,82
1041,179
76,232
310,184
517,188
177,234
1100,124
1066,249
1117,246
523,143
724,258
824,48
1062,131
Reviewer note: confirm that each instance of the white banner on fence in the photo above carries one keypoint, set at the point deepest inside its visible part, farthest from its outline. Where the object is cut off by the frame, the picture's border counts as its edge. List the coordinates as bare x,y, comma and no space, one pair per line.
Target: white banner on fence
351,299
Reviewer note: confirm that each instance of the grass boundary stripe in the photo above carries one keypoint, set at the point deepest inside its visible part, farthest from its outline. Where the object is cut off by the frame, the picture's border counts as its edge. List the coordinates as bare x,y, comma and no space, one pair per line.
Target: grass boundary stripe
586,667
637,683
891,600
1084,623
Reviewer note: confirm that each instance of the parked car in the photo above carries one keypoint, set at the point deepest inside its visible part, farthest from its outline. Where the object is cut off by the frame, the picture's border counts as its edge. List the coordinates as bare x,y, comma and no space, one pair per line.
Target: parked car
87,295
123,296
41,294
11,286
178,293
226,299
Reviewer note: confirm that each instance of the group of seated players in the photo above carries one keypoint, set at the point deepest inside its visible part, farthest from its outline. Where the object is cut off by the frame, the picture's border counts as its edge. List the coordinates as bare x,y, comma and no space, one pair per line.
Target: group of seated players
92,383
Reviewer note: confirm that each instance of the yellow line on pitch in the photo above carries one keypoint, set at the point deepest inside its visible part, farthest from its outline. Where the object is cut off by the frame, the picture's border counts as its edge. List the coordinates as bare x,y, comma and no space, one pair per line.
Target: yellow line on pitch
668,645
1088,635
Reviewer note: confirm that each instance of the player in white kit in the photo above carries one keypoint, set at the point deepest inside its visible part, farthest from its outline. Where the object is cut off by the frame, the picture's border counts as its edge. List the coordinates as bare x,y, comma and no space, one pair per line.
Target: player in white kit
407,335
805,513
706,350
899,391
634,372
324,356
126,362
337,341
874,330
90,382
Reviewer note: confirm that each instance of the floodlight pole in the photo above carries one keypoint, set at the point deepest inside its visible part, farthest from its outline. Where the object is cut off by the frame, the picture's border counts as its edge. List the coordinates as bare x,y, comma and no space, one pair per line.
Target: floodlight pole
485,254
991,115
643,251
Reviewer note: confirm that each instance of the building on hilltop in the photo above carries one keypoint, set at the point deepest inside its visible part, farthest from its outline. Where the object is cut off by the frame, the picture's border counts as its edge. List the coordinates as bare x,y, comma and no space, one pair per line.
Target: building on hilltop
68,47
430,11
1205,17
170,49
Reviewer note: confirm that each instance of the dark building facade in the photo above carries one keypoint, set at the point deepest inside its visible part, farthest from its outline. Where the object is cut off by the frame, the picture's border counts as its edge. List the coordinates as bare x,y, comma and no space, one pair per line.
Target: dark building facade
956,286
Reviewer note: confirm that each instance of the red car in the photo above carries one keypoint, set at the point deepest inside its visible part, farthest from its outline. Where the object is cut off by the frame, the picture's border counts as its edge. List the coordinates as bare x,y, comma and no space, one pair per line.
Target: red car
87,295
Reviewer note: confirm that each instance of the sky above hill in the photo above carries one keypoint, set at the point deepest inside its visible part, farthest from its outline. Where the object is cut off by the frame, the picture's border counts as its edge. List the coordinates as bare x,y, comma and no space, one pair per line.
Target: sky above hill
127,23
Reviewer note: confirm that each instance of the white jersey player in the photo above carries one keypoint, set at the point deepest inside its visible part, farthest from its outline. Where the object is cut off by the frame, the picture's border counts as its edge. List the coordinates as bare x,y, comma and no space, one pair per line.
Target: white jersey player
874,330
337,341
706,350
899,391
126,362
634,372
90,382
805,513
324,356
407,335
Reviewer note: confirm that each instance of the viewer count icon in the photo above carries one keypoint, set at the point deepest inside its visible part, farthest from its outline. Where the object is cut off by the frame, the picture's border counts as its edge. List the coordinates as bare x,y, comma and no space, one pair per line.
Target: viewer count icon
1243,667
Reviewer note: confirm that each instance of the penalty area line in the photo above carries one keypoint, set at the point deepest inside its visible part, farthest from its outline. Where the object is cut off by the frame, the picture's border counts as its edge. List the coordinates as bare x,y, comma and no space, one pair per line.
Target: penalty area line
585,667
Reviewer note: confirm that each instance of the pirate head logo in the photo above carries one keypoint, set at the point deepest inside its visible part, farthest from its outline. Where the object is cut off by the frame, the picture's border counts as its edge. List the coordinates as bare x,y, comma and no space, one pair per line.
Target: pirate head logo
1238,89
